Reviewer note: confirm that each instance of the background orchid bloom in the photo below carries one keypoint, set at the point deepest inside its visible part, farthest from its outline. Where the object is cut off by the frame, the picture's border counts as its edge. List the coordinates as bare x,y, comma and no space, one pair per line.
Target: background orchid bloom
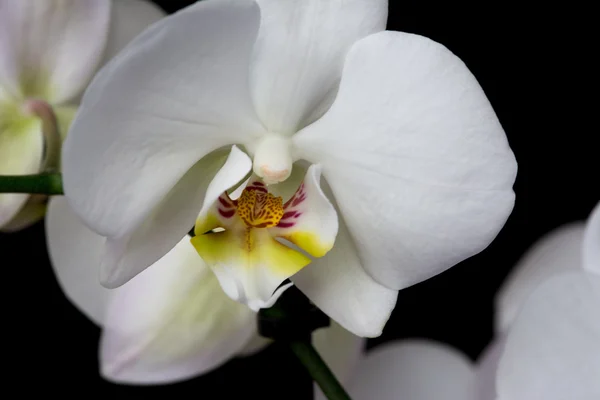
49,51
547,347
418,166
550,352
171,323
571,247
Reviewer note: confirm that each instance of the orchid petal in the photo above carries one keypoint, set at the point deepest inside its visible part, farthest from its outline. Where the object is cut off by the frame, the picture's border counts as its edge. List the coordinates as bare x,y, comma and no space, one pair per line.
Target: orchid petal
341,350
486,370
552,351
171,323
124,257
591,242
166,101
415,156
414,370
558,251
299,54
309,220
340,287
256,344
21,149
50,49
32,211
74,252
128,19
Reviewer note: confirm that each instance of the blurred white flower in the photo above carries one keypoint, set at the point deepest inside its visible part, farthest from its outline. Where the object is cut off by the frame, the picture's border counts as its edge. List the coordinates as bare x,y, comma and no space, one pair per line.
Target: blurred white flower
548,347
171,323
418,166
49,51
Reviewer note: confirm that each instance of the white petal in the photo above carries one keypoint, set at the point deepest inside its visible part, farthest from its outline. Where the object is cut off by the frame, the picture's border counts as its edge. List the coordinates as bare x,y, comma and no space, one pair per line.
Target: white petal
591,242
341,350
415,156
32,211
51,48
126,256
21,149
487,366
174,94
74,253
414,370
340,287
255,345
559,251
552,351
299,54
128,19
309,220
171,323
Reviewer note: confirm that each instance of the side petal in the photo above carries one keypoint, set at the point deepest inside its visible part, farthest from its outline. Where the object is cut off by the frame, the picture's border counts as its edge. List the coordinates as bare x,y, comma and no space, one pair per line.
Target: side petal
126,256
559,251
591,242
128,19
171,323
487,367
415,156
21,150
167,100
299,54
414,370
74,252
340,287
552,351
51,49
341,350
309,219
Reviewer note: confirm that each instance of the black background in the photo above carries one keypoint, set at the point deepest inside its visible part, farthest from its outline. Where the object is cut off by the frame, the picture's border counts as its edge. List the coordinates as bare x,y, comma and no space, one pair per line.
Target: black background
530,66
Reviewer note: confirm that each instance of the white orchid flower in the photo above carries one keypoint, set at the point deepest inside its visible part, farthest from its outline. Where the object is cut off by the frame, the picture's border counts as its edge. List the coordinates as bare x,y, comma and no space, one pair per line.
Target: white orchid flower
171,323
548,346
571,247
49,51
416,170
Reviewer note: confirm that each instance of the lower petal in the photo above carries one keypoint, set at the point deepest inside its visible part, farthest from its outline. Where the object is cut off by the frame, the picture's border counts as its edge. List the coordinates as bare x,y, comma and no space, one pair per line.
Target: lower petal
33,211
341,350
74,252
340,287
21,149
171,323
414,370
552,351
250,266
591,242
558,251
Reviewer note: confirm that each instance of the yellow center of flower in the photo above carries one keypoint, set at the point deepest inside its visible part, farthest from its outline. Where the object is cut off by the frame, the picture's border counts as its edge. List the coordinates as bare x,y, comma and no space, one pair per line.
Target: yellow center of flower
258,208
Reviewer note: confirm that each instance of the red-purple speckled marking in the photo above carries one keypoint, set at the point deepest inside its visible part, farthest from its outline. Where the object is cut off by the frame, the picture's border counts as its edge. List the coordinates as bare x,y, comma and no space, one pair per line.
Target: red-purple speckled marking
226,206
257,185
291,214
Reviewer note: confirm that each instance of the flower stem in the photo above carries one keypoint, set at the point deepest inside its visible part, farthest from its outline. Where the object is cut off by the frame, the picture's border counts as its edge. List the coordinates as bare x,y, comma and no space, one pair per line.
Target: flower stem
318,370
291,320
47,183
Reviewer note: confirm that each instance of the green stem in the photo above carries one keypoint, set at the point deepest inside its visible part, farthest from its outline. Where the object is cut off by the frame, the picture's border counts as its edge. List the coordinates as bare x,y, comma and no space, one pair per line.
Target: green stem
47,183
316,367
